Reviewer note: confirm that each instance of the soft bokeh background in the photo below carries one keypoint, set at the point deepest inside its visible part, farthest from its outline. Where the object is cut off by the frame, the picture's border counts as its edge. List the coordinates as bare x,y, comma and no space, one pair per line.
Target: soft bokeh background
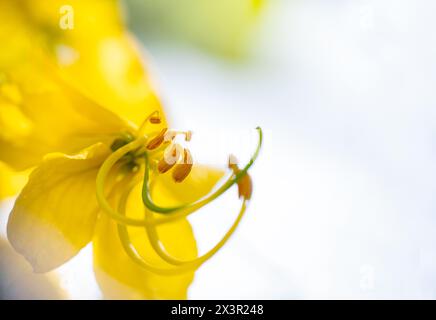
344,203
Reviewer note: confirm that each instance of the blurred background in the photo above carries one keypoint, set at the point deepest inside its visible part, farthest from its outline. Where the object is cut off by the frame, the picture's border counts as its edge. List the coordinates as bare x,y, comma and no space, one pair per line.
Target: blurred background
343,203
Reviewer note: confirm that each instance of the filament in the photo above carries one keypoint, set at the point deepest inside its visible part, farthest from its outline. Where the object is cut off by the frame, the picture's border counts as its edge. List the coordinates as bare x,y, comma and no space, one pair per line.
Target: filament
161,251
177,212
130,249
152,234
145,122
200,203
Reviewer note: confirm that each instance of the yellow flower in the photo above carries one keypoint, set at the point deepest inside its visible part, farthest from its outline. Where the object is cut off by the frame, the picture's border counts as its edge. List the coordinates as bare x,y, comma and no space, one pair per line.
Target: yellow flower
103,173
56,213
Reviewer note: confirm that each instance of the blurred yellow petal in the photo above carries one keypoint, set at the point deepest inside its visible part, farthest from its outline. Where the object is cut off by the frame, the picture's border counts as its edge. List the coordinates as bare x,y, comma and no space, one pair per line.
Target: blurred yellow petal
97,55
39,112
121,278
111,72
49,117
55,214
17,280
10,182
166,192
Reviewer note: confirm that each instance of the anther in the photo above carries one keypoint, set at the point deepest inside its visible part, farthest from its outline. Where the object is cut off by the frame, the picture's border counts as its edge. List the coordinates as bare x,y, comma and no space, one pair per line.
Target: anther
155,119
157,141
188,136
170,135
233,162
169,159
245,185
164,166
182,170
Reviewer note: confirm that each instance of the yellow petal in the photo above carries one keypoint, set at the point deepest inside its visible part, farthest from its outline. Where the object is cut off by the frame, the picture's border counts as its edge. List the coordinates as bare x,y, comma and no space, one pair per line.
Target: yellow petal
97,55
40,110
47,116
111,72
166,192
10,181
120,277
55,214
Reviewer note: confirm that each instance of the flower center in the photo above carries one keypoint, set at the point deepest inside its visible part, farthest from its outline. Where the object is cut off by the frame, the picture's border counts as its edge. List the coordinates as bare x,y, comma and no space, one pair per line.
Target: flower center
164,153
161,153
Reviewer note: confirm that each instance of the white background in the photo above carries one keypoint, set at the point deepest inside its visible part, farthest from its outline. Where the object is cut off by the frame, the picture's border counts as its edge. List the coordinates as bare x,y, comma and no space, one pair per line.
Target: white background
344,189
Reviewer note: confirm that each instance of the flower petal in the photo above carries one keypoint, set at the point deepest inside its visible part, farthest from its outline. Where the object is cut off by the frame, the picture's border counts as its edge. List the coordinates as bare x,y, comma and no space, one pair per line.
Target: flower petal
120,277
52,120
101,59
40,111
55,214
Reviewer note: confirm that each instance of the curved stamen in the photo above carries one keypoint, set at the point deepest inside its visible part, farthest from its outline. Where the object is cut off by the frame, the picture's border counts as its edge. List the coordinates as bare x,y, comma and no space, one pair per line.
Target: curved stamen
177,212
146,198
127,245
103,173
153,118
130,249
138,259
183,266
163,254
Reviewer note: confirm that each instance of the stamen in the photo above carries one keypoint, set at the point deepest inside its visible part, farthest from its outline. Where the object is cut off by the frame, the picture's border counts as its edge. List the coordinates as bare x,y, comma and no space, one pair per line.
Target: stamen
245,187
191,207
157,141
133,254
245,184
182,170
178,212
130,249
152,234
153,118
169,159
232,161
163,166
170,135
163,254
188,136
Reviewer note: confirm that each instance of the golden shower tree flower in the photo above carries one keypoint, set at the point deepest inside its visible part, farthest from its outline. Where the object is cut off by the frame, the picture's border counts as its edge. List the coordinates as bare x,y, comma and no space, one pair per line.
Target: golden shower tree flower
103,172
